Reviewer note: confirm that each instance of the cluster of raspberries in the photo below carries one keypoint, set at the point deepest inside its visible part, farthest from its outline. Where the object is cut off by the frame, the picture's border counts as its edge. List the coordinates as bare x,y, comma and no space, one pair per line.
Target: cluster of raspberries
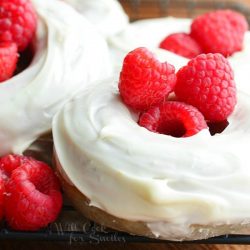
203,91
18,21
220,31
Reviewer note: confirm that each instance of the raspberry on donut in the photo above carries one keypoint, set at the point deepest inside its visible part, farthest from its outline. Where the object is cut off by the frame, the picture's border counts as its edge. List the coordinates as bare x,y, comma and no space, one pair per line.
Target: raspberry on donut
173,118
181,44
220,31
145,81
207,82
18,21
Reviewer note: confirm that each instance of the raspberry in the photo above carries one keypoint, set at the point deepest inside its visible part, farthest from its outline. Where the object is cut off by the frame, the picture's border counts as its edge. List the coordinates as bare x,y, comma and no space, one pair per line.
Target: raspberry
144,81
173,118
8,60
207,82
33,198
220,31
181,44
18,22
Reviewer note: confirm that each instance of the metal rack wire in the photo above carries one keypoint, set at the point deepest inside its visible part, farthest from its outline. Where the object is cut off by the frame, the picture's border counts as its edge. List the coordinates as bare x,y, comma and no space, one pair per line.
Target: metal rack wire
69,227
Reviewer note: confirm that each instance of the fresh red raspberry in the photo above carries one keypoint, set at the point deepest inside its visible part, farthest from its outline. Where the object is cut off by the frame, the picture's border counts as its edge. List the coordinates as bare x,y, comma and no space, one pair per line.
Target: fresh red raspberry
8,60
18,21
220,31
181,44
33,198
144,81
207,82
173,118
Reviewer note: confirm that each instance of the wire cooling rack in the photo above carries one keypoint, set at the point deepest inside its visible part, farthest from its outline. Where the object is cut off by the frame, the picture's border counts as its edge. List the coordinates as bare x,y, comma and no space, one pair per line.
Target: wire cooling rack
71,226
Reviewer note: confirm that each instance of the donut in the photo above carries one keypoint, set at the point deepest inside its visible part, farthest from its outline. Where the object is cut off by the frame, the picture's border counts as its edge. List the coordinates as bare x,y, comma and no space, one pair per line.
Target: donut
69,55
125,177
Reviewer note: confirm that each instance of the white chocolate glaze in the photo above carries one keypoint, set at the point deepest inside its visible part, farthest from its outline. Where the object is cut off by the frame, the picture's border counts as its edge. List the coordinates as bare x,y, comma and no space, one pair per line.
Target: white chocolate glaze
69,55
107,15
150,32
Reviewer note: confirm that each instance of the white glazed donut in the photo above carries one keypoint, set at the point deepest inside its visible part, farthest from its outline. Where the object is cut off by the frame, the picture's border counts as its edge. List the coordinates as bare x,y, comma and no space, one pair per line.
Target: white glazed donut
69,55
107,15
149,33
178,188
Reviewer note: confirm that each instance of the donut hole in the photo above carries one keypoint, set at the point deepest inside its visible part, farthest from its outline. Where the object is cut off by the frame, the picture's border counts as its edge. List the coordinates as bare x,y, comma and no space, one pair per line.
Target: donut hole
217,127
173,128
25,58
